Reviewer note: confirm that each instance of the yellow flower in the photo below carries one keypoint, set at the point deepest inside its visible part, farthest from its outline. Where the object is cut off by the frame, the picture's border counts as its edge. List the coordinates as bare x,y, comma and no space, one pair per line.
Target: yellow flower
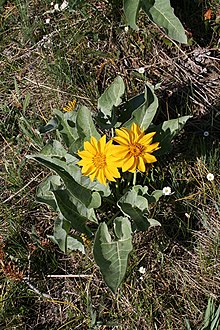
135,149
98,160
70,106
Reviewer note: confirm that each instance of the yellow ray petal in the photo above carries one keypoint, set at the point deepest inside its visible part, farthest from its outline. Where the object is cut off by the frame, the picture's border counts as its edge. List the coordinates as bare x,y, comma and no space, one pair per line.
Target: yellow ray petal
88,170
93,175
101,177
136,130
133,168
109,147
147,138
141,164
101,144
113,171
121,151
108,175
89,147
128,164
85,154
123,132
152,147
150,158
121,140
83,162
94,142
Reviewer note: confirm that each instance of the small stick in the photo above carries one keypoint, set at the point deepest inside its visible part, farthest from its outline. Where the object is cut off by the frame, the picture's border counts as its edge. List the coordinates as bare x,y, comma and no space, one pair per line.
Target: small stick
68,276
17,192
36,290
53,89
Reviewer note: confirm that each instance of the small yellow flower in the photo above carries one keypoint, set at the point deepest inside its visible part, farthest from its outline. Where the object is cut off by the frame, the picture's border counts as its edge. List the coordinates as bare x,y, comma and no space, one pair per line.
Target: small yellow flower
98,160
70,106
86,240
135,149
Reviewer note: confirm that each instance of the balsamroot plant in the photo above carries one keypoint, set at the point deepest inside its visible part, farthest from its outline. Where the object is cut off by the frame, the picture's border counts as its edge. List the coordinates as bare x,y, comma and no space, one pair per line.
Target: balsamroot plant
101,166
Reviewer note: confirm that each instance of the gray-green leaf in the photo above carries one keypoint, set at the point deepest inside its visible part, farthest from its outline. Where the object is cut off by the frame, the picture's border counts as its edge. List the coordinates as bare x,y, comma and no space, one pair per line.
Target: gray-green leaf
112,255
62,239
44,193
111,97
85,124
131,9
71,213
145,113
136,207
70,174
67,126
161,12
167,131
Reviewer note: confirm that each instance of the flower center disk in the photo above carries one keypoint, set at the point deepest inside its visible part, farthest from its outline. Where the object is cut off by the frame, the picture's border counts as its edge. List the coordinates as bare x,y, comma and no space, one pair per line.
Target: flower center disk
99,160
136,149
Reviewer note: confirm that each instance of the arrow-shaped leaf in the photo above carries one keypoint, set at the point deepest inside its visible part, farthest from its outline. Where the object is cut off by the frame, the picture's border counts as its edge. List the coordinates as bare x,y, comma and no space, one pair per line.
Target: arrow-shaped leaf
136,207
85,124
71,213
111,97
62,239
161,12
67,126
112,255
131,9
70,174
167,131
145,113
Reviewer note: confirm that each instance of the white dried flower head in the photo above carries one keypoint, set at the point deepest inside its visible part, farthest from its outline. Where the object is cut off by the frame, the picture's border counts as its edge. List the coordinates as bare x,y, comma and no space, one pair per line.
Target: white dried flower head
51,3
47,21
142,270
141,70
64,5
206,133
210,177
56,6
126,29
167,191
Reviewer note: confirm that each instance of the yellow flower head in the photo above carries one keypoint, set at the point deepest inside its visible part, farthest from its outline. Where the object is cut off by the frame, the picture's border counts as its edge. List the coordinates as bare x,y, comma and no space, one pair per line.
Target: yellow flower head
70,106
135,148
98,160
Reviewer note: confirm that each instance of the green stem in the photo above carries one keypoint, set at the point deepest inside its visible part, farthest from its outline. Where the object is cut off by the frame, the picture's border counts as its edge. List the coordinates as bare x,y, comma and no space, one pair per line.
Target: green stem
112,131
114,216
134,178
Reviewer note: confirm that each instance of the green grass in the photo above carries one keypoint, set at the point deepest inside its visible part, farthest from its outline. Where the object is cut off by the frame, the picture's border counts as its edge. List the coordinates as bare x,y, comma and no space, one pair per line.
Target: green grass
88,47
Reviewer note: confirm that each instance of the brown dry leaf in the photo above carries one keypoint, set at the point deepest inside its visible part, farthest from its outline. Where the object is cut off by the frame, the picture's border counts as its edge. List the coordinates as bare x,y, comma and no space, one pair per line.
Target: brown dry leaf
208,14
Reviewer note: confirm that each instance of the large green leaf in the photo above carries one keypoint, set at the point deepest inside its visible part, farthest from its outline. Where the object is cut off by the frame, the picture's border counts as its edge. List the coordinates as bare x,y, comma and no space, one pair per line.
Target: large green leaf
127,108
131,9
135,204
62,239
145,113
70,174
71,213
54,148
143,191
165,133
112,255
161,12
85,125
67,126
111,97
50,126
44,193
136,207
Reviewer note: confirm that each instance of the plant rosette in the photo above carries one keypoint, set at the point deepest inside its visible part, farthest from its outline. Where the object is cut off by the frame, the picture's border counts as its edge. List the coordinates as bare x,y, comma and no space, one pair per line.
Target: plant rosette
98,186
